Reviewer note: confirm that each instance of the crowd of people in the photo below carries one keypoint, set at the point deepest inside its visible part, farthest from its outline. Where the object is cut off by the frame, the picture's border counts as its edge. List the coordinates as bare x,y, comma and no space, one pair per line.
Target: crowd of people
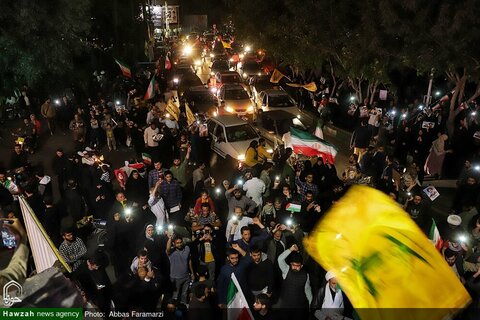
174,235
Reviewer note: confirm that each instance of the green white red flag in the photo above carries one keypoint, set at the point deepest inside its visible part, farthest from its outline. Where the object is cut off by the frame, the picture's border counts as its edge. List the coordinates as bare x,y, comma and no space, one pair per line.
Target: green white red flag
293,207
237,306
434,236
150,90
124,68
305,143
147,159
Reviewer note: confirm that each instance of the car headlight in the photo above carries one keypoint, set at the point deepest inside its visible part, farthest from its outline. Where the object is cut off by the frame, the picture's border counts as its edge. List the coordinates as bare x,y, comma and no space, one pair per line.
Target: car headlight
245,75
213,90
187,50
270,150
198,62
241,55
241,157
212,55
215,113
229,109
250,108
259,74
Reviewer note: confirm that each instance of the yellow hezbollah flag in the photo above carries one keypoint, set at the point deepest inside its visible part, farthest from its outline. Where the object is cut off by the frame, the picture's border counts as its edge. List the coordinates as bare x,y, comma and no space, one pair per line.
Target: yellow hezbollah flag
382,260
173,109
226,45
190,116
276,76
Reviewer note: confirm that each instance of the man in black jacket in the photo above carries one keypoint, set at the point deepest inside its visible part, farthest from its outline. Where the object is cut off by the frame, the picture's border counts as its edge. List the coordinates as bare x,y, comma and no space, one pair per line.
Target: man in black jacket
259,274
94,281
60,165
360,140
74,201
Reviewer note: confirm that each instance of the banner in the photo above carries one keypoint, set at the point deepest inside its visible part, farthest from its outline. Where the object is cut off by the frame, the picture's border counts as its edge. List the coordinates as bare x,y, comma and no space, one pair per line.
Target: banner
44,252
383,261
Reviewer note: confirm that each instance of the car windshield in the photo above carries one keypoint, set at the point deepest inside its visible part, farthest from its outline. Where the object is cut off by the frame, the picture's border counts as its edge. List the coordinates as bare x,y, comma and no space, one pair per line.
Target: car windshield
191,81
220,65
201,97
251,65
231,78
280,101
235,94
241,133
283,126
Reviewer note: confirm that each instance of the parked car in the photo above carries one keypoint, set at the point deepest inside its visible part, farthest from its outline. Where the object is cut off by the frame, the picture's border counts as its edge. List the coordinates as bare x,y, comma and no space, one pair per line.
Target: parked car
234,99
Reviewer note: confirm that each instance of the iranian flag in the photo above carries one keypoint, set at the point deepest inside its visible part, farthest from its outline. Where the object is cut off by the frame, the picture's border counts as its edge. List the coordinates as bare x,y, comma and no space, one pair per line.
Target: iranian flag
237,306
434,236
124,68
147,159
151,90
309,145
318,130
168,64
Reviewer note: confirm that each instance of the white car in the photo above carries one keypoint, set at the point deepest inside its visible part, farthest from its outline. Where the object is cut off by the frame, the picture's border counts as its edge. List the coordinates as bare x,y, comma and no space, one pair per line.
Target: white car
231,136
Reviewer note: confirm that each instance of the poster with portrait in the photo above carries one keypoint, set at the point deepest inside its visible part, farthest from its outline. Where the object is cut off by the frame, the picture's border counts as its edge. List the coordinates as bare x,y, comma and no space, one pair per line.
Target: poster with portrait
431,192
172,14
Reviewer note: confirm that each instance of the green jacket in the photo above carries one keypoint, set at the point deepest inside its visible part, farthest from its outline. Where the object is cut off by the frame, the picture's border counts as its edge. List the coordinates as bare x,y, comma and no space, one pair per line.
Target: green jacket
180,173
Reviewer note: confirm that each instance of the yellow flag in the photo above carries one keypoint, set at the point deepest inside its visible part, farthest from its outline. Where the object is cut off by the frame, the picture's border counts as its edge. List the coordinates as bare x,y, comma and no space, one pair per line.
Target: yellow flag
383,261
295,85
190,116
226,45
173,109
309,86
276,76
312,87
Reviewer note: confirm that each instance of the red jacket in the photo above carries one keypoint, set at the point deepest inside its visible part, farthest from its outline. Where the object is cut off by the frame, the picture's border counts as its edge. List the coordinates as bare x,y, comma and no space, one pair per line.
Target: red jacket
198,205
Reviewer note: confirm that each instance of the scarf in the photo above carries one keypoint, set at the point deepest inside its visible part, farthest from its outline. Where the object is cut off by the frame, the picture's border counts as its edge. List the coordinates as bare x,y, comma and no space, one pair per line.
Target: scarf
329,302
146,235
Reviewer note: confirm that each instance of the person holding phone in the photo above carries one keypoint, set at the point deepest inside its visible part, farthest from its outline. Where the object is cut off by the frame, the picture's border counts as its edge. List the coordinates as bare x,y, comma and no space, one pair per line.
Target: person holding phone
17,266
